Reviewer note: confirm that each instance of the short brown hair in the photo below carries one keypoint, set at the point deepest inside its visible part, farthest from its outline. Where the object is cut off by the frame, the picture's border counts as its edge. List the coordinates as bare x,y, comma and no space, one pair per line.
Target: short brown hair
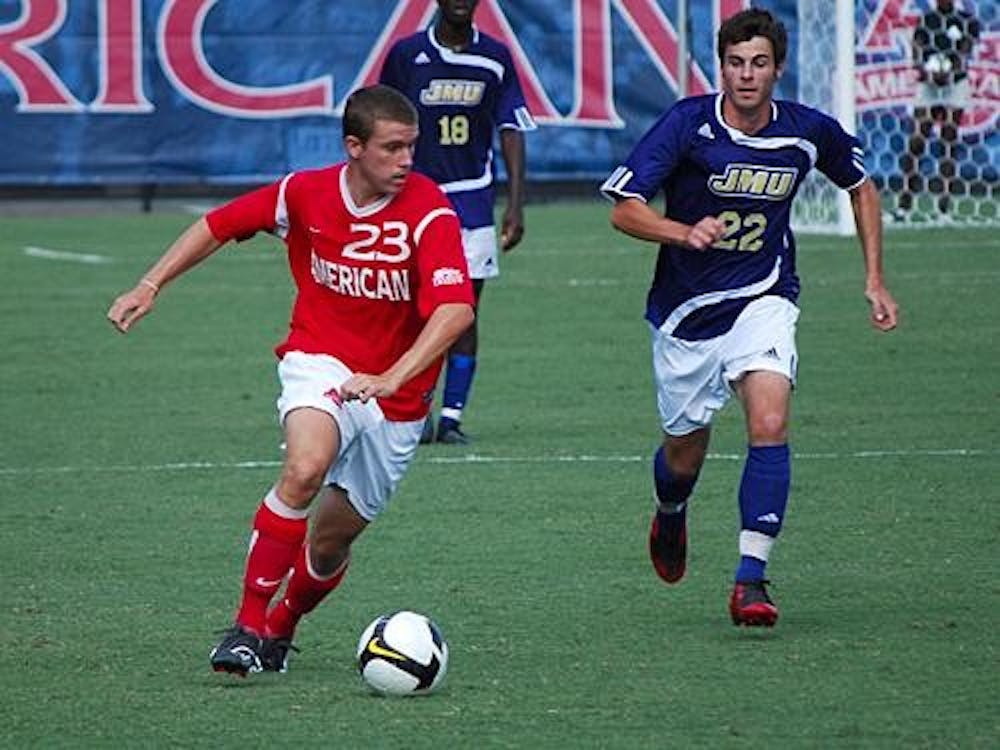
747,24
372,103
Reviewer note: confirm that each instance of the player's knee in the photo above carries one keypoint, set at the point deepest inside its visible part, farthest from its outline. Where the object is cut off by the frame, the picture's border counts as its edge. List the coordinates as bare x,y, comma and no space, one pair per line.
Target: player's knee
684,460
301,479
769,428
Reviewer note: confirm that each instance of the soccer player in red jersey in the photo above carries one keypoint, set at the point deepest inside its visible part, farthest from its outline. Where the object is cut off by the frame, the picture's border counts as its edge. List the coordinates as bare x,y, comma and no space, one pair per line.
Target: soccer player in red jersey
383,290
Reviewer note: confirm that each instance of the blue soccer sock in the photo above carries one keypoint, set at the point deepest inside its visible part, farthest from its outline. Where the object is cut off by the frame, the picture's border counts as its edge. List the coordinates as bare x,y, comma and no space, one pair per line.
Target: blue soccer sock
672,493
763,499
457,384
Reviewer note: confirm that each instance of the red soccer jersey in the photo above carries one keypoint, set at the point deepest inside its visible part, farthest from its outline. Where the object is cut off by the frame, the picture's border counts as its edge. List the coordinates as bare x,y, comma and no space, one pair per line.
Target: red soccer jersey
367,278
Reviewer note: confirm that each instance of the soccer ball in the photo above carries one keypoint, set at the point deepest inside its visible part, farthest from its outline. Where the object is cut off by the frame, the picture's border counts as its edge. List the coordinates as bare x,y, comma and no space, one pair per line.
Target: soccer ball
938,65
402,653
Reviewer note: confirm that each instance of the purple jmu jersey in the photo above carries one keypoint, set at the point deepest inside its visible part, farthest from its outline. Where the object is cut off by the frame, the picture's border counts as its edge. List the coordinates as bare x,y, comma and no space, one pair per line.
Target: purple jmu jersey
462,97
707,168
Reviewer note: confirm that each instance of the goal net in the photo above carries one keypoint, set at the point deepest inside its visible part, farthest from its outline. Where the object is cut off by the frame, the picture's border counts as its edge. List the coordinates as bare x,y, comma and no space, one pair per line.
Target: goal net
933,166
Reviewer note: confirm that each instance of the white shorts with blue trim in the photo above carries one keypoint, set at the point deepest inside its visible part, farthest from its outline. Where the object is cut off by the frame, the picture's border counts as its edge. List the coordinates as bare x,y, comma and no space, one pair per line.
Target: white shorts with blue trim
694,378
374,452
480,246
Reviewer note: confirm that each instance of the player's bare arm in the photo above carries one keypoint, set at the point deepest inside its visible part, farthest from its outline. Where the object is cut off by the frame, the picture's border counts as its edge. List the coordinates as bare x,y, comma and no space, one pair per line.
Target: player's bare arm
867,209
444,326
512,146
635,218
193,246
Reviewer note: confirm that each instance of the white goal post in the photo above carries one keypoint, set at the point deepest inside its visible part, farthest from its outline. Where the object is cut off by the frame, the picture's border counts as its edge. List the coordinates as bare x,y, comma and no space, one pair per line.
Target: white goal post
826,81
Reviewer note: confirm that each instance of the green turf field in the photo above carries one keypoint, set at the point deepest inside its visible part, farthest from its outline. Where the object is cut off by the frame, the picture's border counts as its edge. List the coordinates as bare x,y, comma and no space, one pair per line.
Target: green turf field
130,468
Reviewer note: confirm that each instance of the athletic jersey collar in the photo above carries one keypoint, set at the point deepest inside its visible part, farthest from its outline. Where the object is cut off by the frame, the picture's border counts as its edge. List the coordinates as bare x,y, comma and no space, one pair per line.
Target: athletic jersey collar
733,132
765,142
473,59
351,206
443,48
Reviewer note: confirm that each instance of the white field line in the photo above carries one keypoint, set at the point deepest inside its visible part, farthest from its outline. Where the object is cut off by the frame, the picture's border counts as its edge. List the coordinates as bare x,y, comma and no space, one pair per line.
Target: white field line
47,254
593,282
475,458
199,209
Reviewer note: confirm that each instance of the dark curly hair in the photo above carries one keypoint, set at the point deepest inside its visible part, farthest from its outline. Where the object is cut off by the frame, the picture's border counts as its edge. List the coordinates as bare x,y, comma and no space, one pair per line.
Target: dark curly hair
747,24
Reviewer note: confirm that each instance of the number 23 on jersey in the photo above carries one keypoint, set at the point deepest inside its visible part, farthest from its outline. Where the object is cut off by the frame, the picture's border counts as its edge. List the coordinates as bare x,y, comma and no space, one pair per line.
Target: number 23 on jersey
388,243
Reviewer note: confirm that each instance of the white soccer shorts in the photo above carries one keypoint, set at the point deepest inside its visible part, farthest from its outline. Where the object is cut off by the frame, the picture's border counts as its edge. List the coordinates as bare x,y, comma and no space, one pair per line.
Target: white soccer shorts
694,378
480,246
955,95
374,452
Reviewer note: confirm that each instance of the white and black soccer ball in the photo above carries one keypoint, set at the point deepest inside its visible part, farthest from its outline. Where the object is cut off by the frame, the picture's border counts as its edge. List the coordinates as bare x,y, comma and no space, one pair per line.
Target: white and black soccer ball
402,653
938,64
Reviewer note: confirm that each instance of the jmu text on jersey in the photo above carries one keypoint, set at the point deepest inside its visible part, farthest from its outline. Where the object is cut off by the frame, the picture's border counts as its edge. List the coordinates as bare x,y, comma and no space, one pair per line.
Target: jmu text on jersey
754,181
453,91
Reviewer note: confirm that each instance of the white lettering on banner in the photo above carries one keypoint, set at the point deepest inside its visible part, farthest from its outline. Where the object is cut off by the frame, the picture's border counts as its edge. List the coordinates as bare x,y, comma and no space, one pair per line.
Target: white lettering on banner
392,284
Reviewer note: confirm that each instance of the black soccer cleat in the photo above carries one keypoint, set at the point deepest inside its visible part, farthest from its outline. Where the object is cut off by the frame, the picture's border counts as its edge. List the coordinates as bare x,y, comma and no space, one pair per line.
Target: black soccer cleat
274,654
239,653
450,433
427,433
751,606
668,551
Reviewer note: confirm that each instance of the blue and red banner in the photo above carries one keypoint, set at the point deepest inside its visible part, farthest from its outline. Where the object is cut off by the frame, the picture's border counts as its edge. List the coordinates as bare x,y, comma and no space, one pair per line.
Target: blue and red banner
243,91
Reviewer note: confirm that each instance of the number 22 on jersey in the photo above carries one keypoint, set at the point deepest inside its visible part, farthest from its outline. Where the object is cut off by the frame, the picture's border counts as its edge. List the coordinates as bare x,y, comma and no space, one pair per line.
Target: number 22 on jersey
752,226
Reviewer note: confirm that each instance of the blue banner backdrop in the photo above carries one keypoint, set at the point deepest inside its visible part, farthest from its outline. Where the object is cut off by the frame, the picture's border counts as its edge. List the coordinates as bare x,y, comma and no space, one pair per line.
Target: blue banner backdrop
102,92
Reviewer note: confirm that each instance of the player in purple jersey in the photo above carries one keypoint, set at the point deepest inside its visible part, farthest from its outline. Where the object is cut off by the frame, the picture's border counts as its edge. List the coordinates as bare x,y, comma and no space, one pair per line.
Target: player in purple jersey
722,306
464,85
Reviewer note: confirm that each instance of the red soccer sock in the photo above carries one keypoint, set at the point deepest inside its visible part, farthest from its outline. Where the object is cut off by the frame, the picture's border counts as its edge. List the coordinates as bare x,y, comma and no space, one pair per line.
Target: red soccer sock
278,532
305,591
